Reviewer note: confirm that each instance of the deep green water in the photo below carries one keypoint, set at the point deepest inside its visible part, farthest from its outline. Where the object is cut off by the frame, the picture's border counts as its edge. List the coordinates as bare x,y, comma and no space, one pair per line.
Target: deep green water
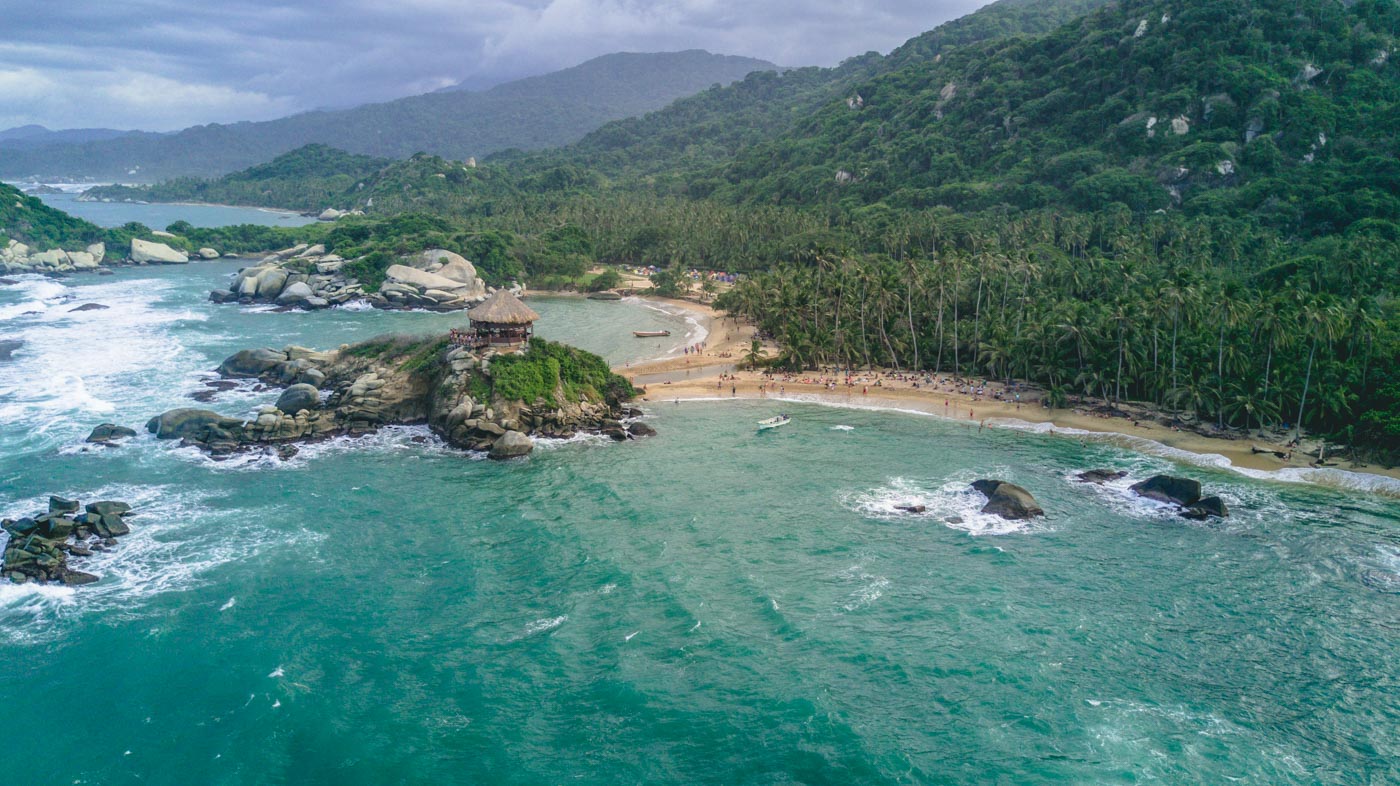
708,606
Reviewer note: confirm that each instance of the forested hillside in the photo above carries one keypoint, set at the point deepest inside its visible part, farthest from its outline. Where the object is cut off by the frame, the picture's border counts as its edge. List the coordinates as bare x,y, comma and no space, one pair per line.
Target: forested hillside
543,111
308,178
1282,111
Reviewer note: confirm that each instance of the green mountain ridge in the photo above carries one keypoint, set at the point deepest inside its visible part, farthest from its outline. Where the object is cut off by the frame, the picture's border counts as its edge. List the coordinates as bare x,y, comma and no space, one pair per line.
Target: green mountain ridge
1226,107
536,112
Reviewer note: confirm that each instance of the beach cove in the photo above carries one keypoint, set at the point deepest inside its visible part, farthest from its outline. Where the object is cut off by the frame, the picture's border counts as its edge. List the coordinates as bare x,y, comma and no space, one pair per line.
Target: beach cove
709,605
697,376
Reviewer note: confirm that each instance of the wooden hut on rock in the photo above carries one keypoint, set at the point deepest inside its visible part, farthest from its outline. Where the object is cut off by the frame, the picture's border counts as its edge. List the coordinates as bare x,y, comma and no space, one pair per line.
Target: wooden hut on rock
501,321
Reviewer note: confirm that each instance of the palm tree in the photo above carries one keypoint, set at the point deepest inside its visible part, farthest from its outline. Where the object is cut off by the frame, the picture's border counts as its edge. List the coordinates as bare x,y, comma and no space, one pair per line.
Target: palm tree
755,355
1322,321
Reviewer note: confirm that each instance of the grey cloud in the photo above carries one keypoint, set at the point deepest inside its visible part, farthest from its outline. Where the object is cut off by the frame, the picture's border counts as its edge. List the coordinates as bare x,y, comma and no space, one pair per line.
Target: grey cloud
159,64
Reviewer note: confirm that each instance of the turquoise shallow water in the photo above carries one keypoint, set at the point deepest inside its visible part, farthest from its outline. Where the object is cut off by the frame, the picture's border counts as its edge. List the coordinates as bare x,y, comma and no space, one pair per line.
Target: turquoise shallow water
706,606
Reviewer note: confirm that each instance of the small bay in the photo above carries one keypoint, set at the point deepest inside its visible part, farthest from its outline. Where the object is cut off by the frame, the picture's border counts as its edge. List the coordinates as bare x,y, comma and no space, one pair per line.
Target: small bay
710,605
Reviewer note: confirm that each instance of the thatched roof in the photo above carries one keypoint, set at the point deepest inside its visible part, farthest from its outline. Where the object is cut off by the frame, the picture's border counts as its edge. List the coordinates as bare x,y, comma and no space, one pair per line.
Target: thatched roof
503,308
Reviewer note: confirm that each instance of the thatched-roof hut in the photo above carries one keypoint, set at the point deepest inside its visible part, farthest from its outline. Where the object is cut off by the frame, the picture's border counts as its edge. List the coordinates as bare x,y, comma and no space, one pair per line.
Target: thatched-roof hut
502,320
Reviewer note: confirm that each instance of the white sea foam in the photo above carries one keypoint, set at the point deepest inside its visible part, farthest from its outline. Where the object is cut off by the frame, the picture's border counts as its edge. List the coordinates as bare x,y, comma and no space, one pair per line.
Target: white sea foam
952,503
408,440
354,305
843,428
870,587
544,624
176,539
75,365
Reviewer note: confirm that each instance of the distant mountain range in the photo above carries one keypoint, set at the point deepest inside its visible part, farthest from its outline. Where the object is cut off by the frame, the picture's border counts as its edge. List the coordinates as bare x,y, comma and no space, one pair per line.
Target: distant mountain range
32,136
529,114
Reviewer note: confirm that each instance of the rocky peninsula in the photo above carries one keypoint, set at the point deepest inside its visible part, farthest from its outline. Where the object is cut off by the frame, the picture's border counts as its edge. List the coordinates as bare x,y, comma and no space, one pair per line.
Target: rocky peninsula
479,399
308,277
17,257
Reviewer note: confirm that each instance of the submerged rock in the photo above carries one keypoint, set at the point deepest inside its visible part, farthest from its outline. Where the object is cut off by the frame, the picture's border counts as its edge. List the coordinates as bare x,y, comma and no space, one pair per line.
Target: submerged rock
1100,475
1008,500
109,432
90,307
1205,508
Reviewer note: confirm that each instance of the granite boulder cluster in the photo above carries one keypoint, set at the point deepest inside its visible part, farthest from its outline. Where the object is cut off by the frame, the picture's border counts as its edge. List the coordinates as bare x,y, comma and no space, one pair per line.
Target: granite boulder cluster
41,545
308,277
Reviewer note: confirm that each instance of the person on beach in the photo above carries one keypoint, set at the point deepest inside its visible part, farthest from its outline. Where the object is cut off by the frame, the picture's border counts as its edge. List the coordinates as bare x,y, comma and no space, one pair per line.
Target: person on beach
734,390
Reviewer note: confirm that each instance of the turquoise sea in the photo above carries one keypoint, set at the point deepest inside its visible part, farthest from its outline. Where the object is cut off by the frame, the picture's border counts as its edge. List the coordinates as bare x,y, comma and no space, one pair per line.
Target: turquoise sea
706,606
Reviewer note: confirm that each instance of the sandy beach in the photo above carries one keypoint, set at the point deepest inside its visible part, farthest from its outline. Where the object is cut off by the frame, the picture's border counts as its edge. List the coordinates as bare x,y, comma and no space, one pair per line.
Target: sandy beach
713,373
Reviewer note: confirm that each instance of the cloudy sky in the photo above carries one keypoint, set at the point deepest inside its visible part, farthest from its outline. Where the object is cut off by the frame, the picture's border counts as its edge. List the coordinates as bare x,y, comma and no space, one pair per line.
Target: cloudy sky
166,64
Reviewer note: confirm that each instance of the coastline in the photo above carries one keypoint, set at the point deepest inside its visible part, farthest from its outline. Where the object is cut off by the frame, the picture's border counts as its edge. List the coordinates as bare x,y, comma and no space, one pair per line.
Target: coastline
697,378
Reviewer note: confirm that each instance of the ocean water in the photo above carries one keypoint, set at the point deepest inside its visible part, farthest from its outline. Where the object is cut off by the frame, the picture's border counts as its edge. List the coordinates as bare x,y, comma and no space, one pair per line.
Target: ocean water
708,606
160,216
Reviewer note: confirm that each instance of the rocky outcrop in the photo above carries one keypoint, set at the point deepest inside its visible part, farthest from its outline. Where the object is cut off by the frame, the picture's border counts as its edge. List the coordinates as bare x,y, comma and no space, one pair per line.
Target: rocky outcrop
1008,500
309,278
147,252
40,546
1183,492
1169,489
394,380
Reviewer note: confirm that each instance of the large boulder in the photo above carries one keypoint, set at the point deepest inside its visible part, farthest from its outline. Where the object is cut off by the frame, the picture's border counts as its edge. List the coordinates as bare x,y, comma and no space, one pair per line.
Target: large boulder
423,280
108,432
251,362
270,282
1166,488
511,445
1008,500
208,253
299,292
98,251
298,397
196,424
158,253
82,260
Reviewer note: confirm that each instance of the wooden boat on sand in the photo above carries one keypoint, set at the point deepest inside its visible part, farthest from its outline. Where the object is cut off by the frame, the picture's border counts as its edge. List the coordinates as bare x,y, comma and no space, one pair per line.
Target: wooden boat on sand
651,333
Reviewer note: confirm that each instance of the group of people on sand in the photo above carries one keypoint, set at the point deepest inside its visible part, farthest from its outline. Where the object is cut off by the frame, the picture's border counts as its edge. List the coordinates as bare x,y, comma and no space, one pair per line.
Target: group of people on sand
832,378
694,349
